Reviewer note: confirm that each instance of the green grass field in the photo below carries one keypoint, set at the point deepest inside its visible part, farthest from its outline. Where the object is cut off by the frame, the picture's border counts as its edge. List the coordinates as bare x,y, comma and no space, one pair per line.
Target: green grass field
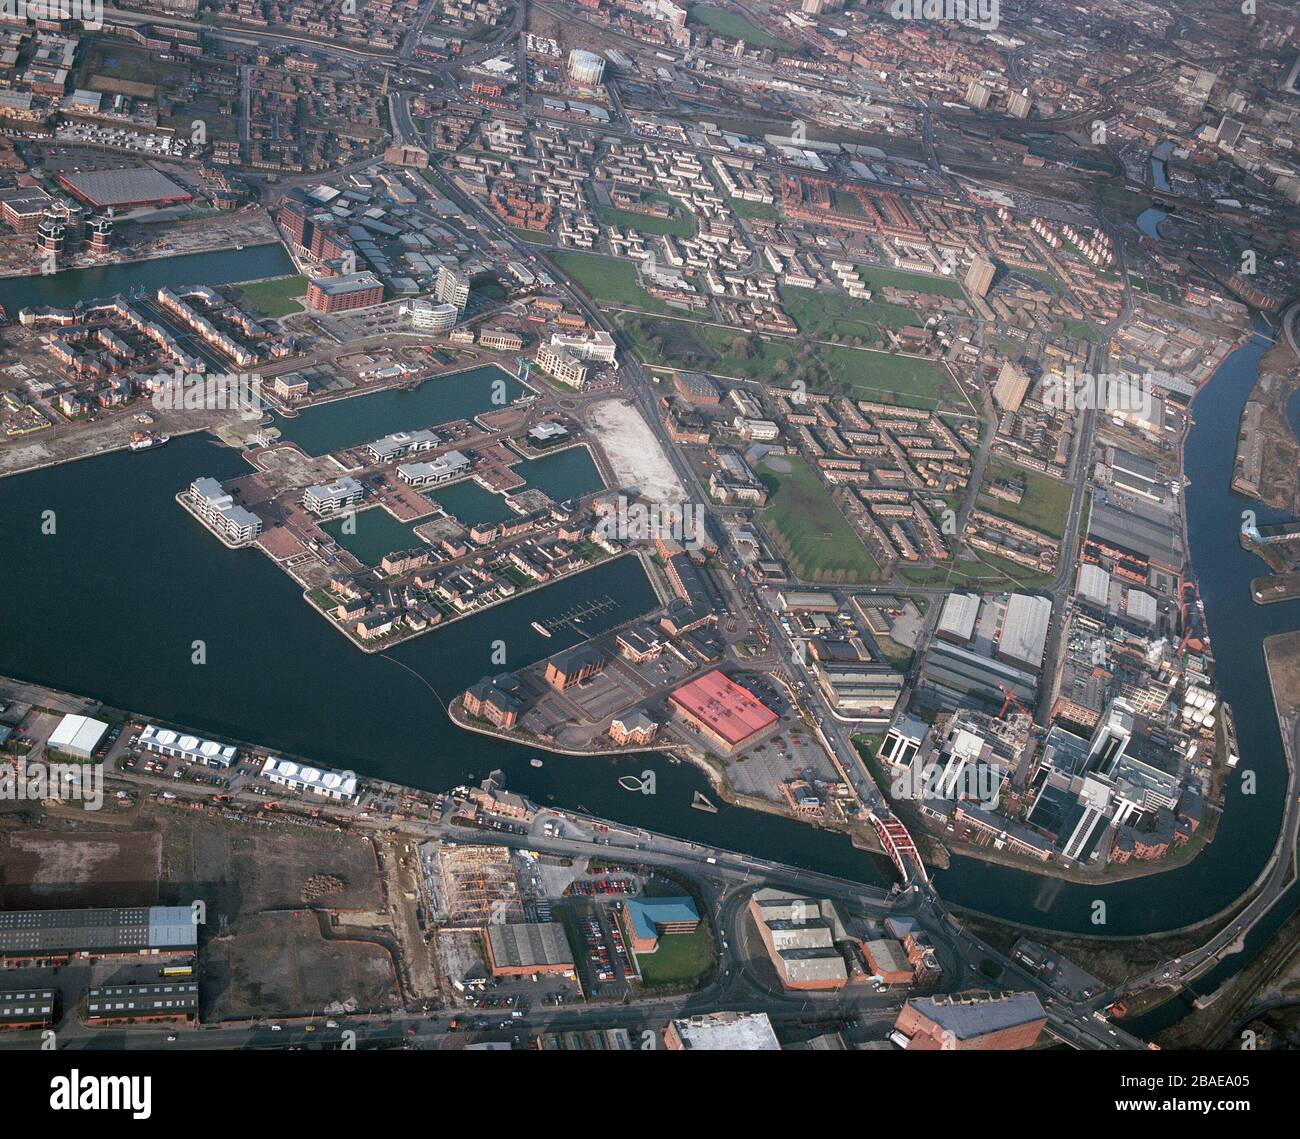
823,315
876,277
681,961
1044,507
904,380
608,279
681,224
813,534
756,211
276,297
732,25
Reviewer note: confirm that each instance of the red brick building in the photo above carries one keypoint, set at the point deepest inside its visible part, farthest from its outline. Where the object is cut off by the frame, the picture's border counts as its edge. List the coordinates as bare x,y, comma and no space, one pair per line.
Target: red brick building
970,1021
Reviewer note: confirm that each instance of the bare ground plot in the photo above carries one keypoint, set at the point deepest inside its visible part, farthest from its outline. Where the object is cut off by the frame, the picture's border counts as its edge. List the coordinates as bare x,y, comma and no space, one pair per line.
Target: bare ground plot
240,868
46,868
280,965
634,453
1282,651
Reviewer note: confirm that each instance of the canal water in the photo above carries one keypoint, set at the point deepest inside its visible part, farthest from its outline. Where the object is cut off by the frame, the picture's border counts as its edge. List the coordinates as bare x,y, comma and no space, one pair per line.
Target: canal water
363,419
219,267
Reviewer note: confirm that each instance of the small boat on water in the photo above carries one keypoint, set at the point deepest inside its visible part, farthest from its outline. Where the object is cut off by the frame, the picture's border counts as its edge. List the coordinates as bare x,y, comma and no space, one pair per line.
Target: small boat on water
539,627
144,440
534,762
702,803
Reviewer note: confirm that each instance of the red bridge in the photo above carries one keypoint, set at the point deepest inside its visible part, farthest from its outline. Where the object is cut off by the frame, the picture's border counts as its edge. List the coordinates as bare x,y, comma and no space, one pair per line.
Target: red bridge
899,846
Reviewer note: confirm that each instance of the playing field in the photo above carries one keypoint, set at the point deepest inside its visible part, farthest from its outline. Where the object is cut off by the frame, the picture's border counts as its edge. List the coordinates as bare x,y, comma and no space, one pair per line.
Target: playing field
813,534
732,25
876,277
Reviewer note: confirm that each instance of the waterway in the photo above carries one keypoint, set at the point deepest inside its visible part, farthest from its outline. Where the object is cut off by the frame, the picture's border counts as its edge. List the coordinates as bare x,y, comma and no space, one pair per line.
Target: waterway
112,603
363,419
219,267
1148,221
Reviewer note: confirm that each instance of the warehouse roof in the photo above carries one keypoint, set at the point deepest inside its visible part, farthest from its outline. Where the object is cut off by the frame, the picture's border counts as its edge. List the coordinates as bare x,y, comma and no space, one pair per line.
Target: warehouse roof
731,711
522,944
77,734
1024,628
140,185
116,929
967,1016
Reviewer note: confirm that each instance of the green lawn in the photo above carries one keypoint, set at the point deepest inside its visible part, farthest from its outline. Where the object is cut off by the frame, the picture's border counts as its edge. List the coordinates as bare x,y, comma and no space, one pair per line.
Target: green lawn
842,202
732,25
823,315
607,279
757,211
681,224
813,534
277,296
881,376
1046,503
876,277
681,961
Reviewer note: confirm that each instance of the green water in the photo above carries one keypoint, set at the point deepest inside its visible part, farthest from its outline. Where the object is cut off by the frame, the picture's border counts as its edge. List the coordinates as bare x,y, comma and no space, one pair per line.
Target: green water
363,419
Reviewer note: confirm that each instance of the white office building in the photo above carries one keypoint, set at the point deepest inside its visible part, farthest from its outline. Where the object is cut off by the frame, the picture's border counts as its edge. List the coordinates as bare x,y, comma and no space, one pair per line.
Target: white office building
444,468
431,316
333,498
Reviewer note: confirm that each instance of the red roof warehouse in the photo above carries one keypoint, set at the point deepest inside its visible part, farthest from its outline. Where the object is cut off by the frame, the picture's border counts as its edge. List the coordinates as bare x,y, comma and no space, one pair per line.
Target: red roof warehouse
727,714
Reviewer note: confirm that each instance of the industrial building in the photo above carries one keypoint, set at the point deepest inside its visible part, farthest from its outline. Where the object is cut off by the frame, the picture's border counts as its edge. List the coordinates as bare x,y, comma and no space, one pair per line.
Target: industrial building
125,189
724,713
722,1032
1023,639
77,736
523,949
164,1000
26,1008
586,67
319,781
100,932
801,935
189,749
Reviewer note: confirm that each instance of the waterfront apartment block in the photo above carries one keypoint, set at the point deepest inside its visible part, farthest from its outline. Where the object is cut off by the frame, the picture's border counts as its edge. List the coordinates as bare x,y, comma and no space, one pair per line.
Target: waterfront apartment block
218,510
